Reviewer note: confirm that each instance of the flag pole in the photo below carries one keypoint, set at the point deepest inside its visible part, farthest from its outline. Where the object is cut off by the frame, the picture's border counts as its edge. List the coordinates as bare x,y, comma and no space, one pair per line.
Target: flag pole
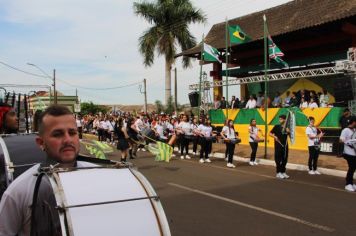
266,79
201,73
226,62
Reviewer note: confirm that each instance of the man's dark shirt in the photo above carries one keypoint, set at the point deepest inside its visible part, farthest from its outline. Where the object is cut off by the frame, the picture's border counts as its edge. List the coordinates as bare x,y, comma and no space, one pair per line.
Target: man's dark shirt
344,122
277,131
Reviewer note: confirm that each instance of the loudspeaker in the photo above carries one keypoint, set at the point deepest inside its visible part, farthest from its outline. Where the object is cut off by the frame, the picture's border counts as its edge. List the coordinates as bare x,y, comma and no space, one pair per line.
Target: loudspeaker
343,91
194,99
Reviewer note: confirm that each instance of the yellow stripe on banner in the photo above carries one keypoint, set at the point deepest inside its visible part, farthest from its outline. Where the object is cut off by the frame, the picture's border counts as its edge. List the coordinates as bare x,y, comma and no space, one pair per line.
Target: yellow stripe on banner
270,114
232,113
319,114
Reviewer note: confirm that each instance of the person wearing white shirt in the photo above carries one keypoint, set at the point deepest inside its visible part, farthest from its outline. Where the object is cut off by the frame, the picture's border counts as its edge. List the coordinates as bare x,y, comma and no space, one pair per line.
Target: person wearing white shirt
205,133
194,126
313,146
229,136
303,103
313,104
348,138
58,137
184,130
251,103
324,98
253,140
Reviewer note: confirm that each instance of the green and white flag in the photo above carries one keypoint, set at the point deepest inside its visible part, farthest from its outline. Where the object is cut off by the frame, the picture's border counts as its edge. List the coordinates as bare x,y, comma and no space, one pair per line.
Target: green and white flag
275,53
210,53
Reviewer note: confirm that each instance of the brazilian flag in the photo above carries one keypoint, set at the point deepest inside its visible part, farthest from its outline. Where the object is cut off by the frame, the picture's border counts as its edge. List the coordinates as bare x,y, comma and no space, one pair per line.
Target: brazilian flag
237,36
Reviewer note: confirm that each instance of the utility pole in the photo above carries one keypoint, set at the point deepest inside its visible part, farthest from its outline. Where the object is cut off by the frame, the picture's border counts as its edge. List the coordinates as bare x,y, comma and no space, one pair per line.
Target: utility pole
76,94
54,86
175,91
145,94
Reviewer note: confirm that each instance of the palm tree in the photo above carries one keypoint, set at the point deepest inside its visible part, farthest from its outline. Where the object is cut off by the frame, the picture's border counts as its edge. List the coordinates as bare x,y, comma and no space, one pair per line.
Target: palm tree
169,20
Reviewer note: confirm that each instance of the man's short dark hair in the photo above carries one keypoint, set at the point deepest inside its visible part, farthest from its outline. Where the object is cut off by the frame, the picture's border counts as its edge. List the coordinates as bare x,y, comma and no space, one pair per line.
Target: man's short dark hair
53,110
283,117
352,120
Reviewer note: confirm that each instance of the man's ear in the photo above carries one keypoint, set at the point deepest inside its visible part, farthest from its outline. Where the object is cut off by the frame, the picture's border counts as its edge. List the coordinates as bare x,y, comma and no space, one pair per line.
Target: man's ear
40,143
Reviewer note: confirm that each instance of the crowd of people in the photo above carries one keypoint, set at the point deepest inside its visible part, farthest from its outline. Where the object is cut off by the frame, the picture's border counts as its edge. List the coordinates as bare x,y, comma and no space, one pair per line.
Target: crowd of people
128,132
302,99
58,136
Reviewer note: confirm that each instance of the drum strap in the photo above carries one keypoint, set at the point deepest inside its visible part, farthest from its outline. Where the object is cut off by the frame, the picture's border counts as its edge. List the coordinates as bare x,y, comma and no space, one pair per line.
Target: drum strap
34,203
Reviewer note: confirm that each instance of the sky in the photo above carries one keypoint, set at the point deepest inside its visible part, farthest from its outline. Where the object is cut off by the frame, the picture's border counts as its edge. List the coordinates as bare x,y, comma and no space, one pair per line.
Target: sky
93,45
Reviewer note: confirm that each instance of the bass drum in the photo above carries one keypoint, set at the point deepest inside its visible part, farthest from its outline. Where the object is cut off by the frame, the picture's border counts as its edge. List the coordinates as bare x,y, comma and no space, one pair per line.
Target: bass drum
17,154
99,201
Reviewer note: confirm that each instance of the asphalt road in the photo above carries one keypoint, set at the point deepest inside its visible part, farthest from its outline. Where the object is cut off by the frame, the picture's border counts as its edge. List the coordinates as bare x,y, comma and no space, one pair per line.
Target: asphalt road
210,199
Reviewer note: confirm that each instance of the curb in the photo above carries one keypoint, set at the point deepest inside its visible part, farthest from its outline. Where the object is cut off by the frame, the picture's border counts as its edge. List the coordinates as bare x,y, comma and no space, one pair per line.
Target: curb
290,166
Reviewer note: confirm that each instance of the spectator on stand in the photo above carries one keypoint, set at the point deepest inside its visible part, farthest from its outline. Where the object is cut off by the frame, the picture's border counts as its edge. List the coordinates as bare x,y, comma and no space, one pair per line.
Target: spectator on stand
277,101
223,103
303,104
259,100
251,103
313,103
234,104
293,102
286,101
324,98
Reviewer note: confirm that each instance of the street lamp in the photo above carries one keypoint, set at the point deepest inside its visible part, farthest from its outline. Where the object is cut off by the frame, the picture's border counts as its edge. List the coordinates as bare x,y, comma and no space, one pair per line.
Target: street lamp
50,77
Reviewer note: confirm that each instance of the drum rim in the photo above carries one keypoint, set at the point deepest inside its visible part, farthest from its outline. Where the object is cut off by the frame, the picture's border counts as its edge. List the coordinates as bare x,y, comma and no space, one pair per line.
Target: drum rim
156,205
65,217
7,161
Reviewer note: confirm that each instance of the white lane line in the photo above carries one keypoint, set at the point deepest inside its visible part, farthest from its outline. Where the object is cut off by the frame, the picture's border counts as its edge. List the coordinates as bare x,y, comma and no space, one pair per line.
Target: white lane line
287,217
268,176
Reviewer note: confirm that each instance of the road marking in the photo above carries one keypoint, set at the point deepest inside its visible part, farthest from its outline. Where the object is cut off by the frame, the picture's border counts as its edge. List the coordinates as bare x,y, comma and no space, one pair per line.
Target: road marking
267,176
266,211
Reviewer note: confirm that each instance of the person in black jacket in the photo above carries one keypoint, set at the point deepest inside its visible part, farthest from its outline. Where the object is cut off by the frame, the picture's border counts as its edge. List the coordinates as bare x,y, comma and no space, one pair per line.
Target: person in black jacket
223,103
234,104
280,134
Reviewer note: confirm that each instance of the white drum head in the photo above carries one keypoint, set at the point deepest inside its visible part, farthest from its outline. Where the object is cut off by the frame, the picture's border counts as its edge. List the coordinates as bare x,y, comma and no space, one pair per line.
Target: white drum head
91,186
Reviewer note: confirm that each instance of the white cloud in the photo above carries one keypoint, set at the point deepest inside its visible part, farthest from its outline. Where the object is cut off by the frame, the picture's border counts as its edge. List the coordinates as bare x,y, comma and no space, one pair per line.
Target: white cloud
94,44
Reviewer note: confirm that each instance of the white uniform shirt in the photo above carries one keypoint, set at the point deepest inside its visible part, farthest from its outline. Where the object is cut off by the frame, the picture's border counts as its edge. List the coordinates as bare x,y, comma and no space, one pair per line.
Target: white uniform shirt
159,128
313,105
102,124
186,127
313,132
139,124
228,132
345,136
205,130
251,104
304,105
79,122
15,212
253,132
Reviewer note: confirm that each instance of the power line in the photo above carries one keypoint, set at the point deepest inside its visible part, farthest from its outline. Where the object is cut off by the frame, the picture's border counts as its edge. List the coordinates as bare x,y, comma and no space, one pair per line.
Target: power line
23,71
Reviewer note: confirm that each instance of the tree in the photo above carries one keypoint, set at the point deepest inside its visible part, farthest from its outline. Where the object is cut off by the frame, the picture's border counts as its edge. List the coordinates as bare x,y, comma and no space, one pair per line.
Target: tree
159,106
169,20
90,107
169,106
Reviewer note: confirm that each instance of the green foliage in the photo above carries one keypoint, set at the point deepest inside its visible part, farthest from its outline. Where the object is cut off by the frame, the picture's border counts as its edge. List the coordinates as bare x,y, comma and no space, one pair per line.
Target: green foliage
169,106
170,27
90,107
159,106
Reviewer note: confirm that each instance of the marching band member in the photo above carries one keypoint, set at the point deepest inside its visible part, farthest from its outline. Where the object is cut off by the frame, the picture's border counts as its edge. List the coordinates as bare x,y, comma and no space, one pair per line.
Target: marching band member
348,138
280,135
206,134
133,134
226,144
253,140
184,130
229,136
194,126
122,136
58,137
313,146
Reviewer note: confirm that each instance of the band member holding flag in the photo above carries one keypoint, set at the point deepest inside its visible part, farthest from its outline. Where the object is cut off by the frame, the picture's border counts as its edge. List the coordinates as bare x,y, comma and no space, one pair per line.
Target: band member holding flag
280,134
313,146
